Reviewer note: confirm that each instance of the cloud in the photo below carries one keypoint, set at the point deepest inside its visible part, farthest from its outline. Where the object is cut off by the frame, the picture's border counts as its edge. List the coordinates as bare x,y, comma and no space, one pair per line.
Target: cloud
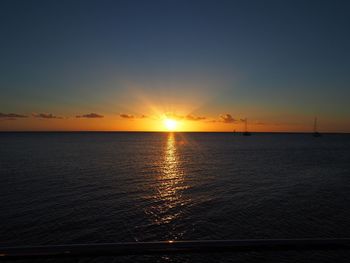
46,116
191,117
188,117
90,116
131,117
169,115
11,116
227,118
127,116
174,116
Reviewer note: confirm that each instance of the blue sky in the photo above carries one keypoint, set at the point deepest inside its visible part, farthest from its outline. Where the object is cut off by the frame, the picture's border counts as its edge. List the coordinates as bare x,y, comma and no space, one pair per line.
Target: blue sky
284,58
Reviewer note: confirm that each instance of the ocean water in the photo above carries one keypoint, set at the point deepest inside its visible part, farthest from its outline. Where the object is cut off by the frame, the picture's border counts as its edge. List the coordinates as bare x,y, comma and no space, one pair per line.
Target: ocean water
63,188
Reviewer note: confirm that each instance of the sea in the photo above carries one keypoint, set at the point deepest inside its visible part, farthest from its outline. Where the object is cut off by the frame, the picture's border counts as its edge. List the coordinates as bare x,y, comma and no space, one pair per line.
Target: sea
102,187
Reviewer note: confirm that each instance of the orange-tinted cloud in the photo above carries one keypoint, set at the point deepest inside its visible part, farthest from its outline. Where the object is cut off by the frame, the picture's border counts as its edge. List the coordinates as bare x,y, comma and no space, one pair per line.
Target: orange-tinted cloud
11,116
174,116
90,116
127,116
191,117
227,118
188,117
46,116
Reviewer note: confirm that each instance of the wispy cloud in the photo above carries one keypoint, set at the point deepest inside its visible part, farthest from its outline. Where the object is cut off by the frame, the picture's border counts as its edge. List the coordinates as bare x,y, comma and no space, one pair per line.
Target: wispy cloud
131,116
11,116
191,117
46,116
174,116
90,116
227,118
127,116
188,117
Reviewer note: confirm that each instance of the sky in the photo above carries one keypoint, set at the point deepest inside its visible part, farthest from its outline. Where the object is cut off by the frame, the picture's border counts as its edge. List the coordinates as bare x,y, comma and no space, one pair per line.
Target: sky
129,65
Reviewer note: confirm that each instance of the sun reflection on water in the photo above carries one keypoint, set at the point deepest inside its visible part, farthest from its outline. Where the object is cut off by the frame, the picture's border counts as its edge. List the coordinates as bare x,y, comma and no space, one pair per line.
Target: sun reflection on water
169,202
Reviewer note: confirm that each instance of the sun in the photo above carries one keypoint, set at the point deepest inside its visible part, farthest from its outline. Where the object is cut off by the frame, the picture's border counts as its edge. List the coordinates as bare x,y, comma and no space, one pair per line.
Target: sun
170,124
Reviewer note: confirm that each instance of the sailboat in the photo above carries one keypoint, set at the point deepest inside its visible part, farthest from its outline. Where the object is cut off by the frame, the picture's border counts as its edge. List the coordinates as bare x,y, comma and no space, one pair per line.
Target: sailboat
316,133
246,132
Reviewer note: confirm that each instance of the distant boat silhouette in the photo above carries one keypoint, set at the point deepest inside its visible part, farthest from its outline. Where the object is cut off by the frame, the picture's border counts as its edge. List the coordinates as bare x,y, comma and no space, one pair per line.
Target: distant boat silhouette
316,133
246,132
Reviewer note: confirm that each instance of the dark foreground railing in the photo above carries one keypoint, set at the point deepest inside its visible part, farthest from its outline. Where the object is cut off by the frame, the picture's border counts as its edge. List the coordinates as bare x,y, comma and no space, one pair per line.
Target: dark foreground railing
166,247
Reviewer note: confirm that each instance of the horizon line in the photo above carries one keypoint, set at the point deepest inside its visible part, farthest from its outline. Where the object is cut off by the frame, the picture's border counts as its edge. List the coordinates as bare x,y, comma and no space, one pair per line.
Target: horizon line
102,131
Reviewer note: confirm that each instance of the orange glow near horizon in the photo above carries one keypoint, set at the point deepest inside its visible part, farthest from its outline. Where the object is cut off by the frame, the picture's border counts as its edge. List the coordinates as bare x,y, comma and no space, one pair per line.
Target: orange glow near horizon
161,120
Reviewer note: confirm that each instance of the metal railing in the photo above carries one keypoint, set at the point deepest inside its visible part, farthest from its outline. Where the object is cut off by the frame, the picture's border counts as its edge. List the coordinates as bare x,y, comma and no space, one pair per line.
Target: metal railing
167,247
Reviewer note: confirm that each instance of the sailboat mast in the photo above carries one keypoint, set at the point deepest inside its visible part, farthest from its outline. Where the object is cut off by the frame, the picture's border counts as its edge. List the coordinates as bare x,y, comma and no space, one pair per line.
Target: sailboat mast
245,132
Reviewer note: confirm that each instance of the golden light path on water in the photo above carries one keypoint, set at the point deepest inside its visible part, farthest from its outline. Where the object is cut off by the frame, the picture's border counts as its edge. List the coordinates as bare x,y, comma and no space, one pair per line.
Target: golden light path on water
172,175
169,202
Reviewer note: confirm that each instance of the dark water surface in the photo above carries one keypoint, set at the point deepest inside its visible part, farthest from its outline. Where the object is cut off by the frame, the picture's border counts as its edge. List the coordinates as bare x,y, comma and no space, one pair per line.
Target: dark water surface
59,188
